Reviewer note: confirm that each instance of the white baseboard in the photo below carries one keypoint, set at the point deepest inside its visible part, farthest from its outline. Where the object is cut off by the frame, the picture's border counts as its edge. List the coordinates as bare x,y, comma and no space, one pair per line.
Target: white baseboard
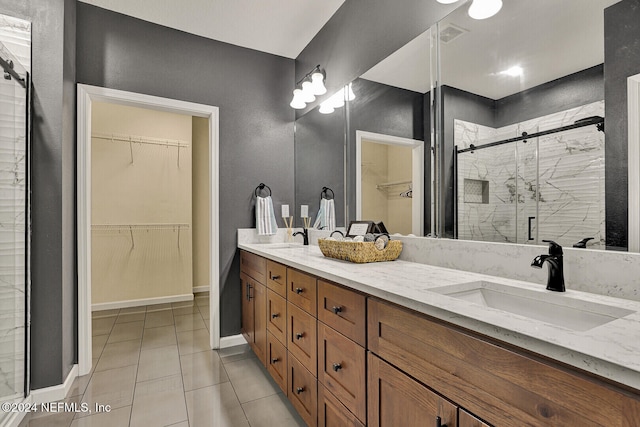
56,392
232,341
197,289
13,419
139,302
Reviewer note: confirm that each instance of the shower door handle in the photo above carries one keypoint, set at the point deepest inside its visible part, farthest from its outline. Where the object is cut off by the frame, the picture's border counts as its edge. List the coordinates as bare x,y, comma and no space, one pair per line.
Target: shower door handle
531,218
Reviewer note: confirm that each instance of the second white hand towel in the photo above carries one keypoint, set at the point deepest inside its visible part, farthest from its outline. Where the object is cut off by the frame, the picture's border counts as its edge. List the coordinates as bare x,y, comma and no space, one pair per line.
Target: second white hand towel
265,217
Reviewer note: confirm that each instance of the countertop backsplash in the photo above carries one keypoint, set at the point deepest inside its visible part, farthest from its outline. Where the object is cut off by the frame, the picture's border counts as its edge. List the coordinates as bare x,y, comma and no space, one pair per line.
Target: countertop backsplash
615,274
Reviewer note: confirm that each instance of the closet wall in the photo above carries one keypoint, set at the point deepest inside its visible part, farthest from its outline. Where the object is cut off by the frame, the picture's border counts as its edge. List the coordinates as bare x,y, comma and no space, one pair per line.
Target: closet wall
141,206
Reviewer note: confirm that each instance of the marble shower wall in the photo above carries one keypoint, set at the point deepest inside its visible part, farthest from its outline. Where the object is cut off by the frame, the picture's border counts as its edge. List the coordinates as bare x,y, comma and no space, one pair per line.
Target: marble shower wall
563,171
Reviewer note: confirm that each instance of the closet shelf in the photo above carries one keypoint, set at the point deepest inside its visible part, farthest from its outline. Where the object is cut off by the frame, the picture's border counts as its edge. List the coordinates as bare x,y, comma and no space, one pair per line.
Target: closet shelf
141,140
386,185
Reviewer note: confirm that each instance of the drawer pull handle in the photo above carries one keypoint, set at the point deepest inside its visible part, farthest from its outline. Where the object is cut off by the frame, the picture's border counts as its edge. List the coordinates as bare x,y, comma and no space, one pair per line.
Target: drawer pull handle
299,291
337,309
439,422
274,360
301,389
275,277
275,315
299,335
337,366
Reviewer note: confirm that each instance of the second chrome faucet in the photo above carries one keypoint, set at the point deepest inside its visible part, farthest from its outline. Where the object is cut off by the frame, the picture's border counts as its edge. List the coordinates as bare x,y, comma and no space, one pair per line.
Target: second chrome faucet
555,281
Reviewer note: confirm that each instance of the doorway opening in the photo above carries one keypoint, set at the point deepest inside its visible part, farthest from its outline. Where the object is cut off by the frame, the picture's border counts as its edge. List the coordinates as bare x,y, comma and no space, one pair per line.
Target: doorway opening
128,222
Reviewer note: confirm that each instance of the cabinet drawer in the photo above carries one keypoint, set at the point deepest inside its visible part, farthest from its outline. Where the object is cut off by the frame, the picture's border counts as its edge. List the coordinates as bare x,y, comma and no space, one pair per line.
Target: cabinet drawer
277,315
303,391
277,278
277,361
341,369
301,290
301,338
332,413
253,265
343,310
465,419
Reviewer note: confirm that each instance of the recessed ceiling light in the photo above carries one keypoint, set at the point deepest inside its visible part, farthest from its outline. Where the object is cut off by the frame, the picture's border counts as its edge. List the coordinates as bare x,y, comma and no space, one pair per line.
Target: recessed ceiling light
513,71
483,9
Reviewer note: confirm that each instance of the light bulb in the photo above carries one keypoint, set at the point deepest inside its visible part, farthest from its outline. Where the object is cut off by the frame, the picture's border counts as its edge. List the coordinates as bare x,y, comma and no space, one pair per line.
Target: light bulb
307,92
317,83
350,95
483,9
297,101
337,99
326,108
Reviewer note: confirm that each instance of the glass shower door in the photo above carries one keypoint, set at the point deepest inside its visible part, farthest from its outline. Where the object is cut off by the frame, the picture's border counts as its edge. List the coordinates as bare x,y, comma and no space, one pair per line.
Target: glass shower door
527,183
14,230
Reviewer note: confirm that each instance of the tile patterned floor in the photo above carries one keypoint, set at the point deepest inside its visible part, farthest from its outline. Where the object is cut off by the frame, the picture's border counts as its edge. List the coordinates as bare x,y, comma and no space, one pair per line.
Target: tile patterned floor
154,367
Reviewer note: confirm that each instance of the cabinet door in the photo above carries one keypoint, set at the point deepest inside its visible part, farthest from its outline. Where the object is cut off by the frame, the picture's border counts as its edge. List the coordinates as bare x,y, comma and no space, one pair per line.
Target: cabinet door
395,399
277,278
277,361
260,322
277,315
247,309
332,413
341,369
467,420
302,337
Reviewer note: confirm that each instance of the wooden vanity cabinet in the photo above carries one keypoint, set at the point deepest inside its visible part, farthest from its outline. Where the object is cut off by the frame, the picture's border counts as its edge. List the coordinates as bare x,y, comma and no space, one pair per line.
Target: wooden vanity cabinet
395,399
277,278
302,290
343,310
254,315
303,391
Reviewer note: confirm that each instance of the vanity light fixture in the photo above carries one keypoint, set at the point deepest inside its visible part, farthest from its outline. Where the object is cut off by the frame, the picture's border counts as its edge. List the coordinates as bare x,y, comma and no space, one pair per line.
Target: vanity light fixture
337,100
307,88
480,9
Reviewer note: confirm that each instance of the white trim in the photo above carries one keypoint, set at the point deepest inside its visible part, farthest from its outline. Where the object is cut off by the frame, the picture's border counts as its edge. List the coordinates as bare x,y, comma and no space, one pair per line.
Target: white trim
417,202
232,341
56,392
13,419
86,95
633,92
140,302
198,289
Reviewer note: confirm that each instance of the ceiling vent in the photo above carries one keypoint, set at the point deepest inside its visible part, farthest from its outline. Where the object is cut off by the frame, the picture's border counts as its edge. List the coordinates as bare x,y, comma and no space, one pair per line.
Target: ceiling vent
450,32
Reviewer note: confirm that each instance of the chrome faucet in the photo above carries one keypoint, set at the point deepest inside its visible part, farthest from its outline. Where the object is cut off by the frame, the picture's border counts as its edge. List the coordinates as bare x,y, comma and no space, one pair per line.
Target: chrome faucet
555,281
305,236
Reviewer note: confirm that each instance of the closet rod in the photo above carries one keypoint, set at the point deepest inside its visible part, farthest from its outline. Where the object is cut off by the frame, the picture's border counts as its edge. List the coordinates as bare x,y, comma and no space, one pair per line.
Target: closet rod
141,140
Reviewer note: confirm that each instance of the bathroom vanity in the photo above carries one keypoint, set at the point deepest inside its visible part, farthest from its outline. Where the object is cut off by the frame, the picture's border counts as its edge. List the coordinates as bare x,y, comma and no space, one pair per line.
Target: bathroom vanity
402,343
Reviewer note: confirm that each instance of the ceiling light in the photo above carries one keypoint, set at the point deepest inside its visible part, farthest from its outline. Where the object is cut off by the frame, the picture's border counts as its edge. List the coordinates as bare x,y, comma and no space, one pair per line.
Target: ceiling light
514,71
483,9
350,95
326,108
447,1
308,87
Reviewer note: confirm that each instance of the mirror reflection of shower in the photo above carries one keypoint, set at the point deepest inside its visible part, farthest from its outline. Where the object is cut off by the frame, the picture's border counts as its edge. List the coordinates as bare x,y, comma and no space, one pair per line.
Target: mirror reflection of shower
545,187
15,54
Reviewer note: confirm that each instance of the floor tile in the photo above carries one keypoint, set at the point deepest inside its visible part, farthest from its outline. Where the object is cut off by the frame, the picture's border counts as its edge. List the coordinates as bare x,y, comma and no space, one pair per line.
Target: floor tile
182,424
102,325
158,362
105,313
129,317
215,406
118,355
202,301
79,384
159,337
271,411
179,304
159,402
115,418
126,332
202,369
189,322
113,387
61,419
97,344
205,312
158,307
191,309
235,353
250,380
193,341
158,318
129,310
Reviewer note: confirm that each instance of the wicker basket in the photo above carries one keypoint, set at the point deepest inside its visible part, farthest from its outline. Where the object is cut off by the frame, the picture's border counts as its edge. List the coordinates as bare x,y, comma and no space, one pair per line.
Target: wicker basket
359,252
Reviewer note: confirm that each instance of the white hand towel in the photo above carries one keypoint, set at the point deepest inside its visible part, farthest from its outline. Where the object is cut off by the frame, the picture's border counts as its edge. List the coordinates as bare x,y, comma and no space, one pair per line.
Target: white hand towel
326,218
265,217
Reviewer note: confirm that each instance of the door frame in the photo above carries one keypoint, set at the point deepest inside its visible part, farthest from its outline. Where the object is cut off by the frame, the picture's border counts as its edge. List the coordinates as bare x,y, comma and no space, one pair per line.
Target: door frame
633,99
86,95
417,171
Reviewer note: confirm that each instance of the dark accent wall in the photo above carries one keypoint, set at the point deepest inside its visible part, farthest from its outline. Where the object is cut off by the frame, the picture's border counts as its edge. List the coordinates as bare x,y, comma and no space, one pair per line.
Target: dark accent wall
363,32
622,59
53,275
251,88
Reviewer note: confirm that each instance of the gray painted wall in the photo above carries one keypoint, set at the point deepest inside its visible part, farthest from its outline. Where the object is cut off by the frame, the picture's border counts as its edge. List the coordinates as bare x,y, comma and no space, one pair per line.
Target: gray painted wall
251,88
53,263
622,59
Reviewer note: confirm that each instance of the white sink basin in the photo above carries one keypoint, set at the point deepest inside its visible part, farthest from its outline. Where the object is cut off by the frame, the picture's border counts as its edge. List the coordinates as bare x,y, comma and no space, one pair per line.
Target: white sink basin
285,245
546,306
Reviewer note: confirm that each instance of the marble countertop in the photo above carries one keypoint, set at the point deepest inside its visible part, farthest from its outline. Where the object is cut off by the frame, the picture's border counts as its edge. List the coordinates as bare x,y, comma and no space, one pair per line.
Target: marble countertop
611,350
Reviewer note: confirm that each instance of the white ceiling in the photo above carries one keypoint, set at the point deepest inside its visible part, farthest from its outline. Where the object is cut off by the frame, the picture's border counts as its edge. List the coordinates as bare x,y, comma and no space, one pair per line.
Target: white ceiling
280,27
549,39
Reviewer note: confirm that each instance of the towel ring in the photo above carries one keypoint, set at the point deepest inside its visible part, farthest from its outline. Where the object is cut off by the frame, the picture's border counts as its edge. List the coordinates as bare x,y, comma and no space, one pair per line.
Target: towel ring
325,192
261,187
